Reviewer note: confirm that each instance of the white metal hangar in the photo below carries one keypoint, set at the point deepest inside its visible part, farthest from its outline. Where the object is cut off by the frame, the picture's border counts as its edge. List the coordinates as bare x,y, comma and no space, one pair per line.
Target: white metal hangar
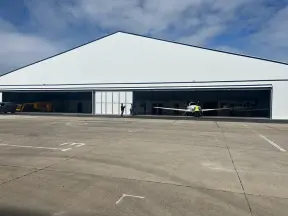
127,68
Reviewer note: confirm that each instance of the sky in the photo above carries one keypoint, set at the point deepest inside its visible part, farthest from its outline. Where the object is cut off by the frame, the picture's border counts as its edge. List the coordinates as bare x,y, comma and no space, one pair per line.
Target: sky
31,30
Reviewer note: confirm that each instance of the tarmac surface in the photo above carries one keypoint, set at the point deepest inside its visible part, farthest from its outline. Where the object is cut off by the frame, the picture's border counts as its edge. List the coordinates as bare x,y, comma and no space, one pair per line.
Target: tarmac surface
126,166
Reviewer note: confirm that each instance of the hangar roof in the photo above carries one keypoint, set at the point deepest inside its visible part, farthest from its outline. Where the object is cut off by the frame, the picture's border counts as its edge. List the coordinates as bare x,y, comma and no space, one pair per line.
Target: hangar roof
129,58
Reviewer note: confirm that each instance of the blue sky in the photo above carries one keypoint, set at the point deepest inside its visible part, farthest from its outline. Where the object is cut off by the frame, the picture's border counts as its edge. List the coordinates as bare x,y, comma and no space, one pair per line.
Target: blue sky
31,30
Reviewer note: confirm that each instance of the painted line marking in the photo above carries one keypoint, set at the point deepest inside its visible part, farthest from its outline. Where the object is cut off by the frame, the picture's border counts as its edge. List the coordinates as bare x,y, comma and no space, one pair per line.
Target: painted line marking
120,199
127,195
73,144
140,197
66,149
81,144
268,140
272,143
34,147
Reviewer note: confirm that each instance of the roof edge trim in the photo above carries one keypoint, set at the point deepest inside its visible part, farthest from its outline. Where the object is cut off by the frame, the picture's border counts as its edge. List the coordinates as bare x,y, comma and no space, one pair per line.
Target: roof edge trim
145,83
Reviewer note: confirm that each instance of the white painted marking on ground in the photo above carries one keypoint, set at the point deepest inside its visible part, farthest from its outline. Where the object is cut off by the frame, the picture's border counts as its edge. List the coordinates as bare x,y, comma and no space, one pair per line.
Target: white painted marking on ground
120,199
127,195
272,143
73,144
34,147
268,140
81,144
140,197
66,149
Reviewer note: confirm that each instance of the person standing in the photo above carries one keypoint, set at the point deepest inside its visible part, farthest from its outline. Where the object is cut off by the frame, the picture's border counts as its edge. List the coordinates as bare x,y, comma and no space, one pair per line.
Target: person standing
122,109
132,109
197,110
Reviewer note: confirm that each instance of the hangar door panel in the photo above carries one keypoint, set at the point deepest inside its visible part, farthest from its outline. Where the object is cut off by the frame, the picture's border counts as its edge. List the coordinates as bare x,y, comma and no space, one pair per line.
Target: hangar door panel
98,103
241,102
111,102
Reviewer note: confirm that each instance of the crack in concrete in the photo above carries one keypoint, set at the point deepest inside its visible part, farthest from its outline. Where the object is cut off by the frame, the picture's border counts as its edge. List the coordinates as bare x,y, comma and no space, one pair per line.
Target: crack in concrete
224,138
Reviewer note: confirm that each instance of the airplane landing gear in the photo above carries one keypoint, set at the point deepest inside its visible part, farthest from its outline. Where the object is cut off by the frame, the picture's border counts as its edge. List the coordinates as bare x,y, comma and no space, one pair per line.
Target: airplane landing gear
198,114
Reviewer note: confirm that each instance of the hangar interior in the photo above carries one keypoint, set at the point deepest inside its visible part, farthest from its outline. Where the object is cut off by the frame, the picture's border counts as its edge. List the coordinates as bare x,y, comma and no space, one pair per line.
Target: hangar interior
61,102
259,100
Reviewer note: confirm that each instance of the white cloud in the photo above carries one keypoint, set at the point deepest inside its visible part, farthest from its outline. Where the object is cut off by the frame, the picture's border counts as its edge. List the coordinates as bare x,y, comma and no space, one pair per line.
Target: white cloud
18,49
271,41
202,35
275,31
137,16
196,22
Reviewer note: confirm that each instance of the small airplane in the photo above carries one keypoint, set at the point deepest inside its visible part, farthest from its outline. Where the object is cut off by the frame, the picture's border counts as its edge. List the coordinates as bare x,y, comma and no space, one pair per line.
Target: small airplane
191,108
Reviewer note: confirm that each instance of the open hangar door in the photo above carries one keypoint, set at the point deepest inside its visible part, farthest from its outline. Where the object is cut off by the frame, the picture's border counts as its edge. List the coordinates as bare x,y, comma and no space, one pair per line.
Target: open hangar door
60,102
248,102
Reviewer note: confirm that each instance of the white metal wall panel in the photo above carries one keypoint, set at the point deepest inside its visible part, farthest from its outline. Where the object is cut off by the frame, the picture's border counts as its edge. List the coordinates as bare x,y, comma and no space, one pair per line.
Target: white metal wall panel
116,97
109,97
122,97
98,108
129,97
109,108
98,97
98,103
1,100
280,100
116,109
103,107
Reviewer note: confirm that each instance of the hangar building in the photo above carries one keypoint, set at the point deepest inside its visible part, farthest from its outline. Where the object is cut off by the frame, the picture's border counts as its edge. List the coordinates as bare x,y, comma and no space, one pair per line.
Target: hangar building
146,72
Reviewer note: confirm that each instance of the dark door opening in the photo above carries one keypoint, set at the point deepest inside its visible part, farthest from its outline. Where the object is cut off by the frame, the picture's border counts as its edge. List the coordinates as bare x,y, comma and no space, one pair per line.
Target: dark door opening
241,102
177,107
60,102
211,105
79,108
154,110
160,111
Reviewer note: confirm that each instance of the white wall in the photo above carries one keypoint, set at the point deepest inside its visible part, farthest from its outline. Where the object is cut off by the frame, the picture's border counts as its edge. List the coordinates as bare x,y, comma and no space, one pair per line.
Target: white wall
280,100
132,59
109,102
1,100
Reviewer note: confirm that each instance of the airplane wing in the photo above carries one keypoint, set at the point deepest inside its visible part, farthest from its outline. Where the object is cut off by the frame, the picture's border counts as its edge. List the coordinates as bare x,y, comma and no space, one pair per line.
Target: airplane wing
206,110
235,109
167,108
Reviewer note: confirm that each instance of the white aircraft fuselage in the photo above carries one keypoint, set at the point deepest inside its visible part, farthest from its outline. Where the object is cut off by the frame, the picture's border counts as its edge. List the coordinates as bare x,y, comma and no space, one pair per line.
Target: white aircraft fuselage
191,107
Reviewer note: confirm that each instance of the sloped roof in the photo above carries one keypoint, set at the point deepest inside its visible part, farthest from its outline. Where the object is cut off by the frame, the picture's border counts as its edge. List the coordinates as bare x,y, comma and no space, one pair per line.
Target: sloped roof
125,57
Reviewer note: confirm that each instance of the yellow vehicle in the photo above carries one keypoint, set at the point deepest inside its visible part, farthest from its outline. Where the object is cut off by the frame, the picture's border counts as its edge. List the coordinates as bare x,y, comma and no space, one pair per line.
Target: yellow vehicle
35,107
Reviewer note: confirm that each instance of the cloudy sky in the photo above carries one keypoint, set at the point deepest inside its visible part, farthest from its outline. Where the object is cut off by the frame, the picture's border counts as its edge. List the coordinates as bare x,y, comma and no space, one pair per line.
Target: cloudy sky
31,30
